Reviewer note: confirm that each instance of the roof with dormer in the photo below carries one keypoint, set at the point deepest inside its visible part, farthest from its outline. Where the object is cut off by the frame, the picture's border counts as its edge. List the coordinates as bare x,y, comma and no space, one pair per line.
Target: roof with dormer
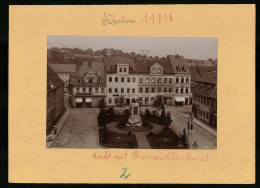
53,80
138,66
179,64
97,67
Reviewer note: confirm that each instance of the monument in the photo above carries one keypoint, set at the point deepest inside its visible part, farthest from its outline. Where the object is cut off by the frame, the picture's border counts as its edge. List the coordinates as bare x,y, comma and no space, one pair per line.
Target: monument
135,119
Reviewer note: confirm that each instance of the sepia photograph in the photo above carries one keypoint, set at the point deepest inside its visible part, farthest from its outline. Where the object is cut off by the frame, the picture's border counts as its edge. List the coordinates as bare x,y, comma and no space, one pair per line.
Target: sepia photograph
131,92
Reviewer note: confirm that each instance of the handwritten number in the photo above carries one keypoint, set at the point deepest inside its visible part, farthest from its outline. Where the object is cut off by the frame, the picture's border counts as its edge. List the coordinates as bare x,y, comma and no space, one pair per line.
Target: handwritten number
123,175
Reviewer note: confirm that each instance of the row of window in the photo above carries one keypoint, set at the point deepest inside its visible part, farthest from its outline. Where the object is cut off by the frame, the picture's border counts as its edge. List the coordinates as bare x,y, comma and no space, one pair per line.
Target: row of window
122,90
181,80
90,90
158,71
203,113
123,79
144,100
152,90
149,90
88,80
54,96
153,80
204,100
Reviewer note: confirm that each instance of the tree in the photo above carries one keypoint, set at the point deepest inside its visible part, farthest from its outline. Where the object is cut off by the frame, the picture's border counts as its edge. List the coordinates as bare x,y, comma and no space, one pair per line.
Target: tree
89,51
163,117
77,51
147,113
184,138
101,104
127,113
168,120
157,104
120,101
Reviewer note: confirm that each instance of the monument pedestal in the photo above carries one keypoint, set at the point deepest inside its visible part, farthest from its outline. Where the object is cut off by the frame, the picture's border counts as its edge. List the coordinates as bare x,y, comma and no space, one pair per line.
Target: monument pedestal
135,119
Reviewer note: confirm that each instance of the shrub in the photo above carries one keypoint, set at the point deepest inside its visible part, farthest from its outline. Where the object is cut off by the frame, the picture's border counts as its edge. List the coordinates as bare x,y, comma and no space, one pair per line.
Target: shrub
147,113
121,123
150,133
127,113
131,144
154,113
157,145
163,117
111,112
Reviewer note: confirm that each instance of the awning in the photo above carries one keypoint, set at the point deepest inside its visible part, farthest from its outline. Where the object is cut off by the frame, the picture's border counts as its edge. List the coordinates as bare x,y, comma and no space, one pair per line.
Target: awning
79,100
88,100
179,99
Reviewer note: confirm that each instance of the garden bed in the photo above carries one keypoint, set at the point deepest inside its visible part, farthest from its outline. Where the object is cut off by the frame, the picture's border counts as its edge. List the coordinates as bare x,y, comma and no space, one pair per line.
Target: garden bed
116,140
166,139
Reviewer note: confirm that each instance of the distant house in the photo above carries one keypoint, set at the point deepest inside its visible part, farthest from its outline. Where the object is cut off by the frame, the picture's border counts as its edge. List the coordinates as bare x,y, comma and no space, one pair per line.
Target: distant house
63,71
182,74
204,105
55,98
87,85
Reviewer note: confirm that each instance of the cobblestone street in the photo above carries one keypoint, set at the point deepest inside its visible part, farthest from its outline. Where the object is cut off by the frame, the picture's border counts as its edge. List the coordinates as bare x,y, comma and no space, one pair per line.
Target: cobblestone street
203,138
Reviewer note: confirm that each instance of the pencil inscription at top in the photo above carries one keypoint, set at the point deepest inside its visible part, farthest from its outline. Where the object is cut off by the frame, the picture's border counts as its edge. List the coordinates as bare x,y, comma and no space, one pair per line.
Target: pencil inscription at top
112,20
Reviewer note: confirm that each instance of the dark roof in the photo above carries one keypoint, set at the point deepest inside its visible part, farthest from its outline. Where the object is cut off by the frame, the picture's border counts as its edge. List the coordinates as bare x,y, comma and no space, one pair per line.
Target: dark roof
195,74
208,74
53,80
139,66
63,68
97,67
204,91
205,70
178,61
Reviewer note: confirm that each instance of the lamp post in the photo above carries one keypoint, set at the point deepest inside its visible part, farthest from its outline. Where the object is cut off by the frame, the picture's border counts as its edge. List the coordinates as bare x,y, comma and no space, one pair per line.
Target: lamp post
190,130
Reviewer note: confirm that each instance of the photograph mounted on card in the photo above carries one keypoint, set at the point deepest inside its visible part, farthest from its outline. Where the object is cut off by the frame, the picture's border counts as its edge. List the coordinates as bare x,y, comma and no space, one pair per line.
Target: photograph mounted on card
131,94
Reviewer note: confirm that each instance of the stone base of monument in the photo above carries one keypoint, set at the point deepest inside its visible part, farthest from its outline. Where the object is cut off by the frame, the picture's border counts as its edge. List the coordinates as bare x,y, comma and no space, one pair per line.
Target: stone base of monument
134,121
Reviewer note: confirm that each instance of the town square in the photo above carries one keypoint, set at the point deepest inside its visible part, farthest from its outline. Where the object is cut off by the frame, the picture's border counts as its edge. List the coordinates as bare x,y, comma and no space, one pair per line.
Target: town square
109,98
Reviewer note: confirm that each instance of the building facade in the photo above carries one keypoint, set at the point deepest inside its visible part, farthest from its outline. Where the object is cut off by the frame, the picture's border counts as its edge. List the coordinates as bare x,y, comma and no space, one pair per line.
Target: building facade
145,80
121,80
88,85
64,71
182,74
55,98
205,101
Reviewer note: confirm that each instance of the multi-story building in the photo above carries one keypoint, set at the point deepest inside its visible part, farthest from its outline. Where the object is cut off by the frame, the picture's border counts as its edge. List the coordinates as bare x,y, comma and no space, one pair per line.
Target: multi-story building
204,105
55,98
156,81
182,74
64,71
88,85
146,80
121,79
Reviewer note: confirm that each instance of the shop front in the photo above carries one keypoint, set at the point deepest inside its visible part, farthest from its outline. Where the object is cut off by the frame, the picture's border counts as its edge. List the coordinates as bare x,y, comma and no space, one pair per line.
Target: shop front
88,102
179,101
79,102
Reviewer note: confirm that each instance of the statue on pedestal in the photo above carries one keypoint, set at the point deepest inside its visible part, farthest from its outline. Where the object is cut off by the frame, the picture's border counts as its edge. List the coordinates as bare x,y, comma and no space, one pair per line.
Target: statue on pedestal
135,119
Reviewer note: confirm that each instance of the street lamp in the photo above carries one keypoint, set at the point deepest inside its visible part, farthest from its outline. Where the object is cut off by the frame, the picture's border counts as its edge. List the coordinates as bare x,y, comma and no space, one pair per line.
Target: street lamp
190,129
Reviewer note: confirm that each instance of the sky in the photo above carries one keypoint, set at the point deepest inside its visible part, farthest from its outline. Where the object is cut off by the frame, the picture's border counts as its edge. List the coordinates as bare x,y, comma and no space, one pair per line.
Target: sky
189,48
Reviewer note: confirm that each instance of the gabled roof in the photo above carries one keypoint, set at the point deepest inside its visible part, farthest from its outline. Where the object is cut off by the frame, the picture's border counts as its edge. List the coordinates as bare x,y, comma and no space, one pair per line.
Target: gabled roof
178,61
63,68
96,66
53,80
204,91
208,74
195,74
139,66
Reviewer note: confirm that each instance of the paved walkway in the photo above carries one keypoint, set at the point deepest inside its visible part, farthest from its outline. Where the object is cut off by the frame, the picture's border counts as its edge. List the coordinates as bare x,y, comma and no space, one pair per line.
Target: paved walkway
59,125
140,135
142,140
79,131
202,125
